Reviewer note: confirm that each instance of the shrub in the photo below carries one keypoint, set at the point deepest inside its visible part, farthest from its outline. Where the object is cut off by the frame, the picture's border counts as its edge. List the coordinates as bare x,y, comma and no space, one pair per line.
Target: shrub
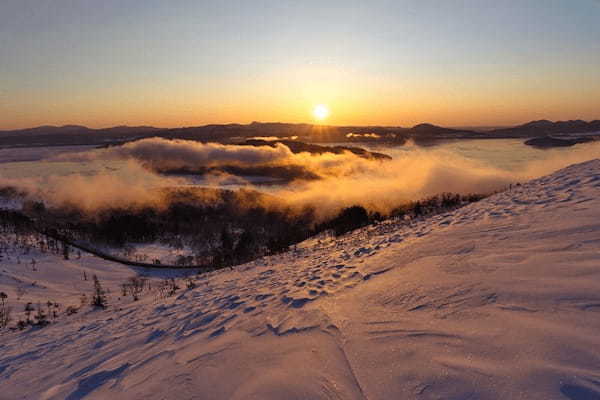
72,310
40,316
28,310
4,311
99,296
190,283
349,219
168,288
134,286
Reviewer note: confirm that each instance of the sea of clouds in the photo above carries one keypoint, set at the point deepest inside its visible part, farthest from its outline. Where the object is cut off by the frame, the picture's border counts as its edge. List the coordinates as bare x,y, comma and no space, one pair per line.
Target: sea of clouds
341,179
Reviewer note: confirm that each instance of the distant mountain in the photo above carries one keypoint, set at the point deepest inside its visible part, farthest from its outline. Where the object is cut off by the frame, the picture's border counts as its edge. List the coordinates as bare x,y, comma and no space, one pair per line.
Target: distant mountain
433,130
47,130
545,127
225,132
49,135
542,123
77,129
425,133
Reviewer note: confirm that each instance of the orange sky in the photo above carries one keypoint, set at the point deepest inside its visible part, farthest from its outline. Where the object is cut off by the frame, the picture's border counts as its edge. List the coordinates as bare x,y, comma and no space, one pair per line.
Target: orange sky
382,63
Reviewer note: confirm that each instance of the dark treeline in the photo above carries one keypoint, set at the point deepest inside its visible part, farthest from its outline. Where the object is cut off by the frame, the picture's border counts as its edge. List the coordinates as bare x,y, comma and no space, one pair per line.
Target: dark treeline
355,217
220,228
27,236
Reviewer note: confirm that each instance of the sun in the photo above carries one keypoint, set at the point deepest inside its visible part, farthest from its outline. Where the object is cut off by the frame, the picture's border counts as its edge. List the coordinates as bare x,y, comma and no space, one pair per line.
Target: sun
320,112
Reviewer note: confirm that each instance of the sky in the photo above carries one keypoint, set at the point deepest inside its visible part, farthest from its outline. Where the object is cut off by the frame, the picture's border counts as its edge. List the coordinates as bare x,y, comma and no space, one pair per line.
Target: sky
378,62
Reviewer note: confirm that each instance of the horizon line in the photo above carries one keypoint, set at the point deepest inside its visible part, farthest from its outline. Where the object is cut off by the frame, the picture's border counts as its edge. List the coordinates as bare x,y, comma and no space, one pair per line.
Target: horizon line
463,126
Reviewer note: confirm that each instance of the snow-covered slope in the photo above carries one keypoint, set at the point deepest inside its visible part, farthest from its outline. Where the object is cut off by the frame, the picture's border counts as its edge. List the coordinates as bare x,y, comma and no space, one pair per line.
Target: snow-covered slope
497,300
28,275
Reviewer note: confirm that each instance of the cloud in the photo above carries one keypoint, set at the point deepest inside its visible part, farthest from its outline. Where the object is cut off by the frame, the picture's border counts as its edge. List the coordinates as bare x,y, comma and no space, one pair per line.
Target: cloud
272,138
162,154
417,174
129,187
362,135
343,179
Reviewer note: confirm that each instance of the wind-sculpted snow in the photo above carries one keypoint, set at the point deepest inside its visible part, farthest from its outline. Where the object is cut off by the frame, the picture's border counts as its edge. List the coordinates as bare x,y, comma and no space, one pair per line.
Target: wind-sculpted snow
497,300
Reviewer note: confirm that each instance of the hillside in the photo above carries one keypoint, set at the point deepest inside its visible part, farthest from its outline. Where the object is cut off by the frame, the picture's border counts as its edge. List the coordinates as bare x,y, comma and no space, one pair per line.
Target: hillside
70,135
545,127
497,300
425,133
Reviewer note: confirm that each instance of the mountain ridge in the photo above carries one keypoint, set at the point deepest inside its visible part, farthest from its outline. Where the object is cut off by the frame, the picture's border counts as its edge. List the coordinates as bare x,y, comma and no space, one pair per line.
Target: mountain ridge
78,134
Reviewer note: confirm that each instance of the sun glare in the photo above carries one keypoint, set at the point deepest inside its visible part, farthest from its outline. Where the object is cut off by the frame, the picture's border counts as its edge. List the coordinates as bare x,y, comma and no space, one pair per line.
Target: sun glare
320,112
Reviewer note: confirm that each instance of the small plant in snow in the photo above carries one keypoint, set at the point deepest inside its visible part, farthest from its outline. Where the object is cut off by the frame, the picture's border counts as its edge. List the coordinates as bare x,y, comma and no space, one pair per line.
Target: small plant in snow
4,311
168,287
134,286
40,316
53,309
173,287
190,283
71,310
99,297
28,311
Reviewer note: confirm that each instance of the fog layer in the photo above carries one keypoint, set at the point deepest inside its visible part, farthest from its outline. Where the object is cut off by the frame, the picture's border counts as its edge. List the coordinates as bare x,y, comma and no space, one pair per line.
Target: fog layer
344,179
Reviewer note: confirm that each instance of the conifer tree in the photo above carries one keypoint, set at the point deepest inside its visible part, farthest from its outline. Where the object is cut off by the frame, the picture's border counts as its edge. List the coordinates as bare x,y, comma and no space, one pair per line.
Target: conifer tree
99,297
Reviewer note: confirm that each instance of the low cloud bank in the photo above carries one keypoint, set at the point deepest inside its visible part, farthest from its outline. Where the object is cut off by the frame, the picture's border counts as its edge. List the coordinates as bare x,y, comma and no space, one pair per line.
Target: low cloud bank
162,154
131,186
421,173
344,179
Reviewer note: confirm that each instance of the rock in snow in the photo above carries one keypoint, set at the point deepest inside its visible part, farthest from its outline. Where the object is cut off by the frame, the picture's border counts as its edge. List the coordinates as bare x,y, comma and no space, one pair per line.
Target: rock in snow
497,300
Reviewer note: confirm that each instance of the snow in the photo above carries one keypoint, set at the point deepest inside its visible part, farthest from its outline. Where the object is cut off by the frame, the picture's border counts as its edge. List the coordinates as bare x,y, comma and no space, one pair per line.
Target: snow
28,275
497,300
148,252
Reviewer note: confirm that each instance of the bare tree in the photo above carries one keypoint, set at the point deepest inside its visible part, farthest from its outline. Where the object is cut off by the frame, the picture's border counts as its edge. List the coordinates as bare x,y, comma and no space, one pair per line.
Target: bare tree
134,286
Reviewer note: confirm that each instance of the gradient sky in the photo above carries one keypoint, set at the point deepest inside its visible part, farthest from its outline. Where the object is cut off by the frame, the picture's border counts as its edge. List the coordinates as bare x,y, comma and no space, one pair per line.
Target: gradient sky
397,62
